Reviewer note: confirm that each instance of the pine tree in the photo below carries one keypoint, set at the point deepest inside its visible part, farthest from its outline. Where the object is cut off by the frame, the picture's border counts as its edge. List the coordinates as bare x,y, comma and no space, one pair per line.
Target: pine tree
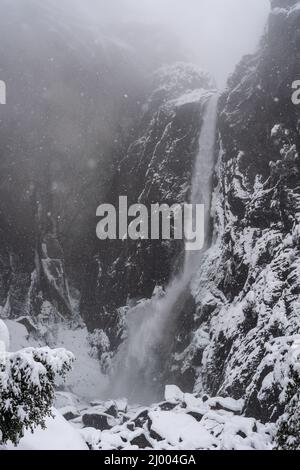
288,434
27,380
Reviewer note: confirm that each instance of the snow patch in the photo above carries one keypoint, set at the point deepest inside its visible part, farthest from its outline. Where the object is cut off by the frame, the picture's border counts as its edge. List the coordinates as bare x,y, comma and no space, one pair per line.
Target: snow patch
4,337
58,435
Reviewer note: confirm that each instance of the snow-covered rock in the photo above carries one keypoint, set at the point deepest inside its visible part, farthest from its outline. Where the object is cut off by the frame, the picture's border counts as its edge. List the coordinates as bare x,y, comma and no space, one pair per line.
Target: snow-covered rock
186,422
173,394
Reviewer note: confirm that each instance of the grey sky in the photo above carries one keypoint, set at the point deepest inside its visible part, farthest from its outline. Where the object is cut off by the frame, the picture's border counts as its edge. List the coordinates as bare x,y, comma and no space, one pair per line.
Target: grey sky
217,33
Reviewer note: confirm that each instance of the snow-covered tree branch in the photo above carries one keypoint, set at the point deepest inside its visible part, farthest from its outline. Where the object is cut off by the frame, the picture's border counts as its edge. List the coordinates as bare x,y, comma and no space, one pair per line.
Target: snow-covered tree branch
27,380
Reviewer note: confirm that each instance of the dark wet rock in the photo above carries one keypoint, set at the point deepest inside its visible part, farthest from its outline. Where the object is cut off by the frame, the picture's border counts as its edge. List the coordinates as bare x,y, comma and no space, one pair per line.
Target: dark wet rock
141,441
96,420
166,406
141,419
154,435
69,415
113,411
198,416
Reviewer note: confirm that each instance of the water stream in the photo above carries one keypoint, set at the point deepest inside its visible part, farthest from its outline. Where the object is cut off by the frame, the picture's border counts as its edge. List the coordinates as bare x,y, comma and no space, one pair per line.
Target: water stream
151,325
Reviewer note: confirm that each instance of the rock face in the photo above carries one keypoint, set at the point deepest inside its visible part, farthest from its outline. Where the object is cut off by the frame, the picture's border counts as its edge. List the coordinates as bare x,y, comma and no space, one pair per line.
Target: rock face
156,168
239,329
247,291
33,271
55,165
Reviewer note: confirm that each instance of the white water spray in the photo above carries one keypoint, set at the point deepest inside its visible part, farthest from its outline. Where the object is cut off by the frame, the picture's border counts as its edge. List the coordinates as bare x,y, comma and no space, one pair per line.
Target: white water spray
151,325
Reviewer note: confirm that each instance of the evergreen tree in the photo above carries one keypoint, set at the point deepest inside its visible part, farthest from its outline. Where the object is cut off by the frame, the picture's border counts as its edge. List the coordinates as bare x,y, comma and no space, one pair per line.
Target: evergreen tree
288,434
27,381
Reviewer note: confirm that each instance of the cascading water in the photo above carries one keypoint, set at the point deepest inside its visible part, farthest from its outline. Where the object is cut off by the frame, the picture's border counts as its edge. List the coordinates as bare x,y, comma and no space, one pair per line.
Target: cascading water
151,325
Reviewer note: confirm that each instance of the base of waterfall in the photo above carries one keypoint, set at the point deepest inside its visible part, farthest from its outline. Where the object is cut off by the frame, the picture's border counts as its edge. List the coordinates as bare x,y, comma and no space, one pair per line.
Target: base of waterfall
182,421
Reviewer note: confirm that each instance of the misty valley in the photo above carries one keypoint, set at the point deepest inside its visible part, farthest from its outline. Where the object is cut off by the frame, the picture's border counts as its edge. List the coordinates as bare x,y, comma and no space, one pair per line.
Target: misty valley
149,227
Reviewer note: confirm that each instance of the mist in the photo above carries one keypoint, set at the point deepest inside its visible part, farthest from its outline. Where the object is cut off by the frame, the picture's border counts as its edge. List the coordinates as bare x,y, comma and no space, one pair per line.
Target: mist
212,33
69,67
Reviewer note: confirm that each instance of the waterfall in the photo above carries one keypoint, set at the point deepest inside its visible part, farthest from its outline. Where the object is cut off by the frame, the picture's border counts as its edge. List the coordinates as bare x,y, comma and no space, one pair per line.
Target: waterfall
202,178
151,325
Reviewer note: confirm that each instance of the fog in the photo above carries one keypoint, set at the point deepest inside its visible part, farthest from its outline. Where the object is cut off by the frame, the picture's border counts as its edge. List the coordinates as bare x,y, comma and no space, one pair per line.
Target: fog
69,67
213,33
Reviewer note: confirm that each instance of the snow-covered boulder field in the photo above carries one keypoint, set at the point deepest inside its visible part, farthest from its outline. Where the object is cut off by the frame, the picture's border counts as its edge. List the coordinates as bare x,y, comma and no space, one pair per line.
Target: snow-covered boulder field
182,422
